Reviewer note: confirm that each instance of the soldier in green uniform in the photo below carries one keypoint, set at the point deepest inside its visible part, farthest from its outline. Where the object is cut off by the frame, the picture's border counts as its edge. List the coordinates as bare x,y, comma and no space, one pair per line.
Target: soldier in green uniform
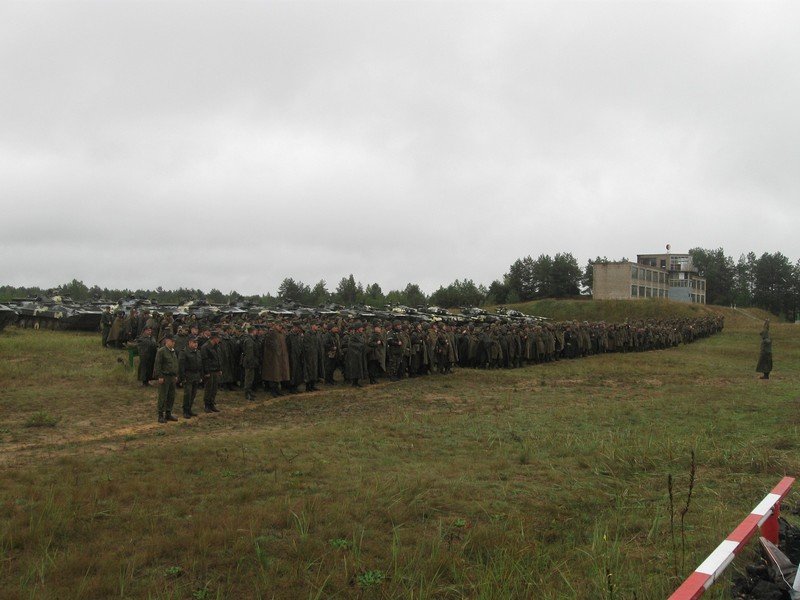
354,346
146,347
394,351
190,374
331,345
212,371
376,354
250,359
105,324
166,372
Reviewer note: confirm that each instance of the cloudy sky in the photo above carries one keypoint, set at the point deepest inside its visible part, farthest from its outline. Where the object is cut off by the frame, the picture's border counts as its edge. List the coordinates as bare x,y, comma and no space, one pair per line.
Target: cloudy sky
230,145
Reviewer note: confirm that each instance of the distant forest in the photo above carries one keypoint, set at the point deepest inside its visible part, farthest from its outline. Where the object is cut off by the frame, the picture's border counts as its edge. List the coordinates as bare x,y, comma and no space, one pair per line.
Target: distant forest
769,281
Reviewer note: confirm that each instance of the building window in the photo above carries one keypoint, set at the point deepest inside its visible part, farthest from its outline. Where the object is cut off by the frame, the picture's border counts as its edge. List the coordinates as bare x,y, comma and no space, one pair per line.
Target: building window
634,273
641,291
633,291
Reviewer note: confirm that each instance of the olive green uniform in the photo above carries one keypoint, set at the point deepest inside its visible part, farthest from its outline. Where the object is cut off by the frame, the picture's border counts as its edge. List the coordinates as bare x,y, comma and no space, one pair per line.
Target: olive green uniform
166,368
191,375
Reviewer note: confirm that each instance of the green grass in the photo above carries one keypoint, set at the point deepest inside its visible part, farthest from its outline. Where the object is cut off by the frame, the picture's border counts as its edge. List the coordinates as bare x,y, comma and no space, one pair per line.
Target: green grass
41,419
543,482
617,311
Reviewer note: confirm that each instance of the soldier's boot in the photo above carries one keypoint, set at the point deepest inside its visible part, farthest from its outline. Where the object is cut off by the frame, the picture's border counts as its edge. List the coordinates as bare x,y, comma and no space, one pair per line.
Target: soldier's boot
208,408
161,418
309,387
168,417
248,395
187,414
214,408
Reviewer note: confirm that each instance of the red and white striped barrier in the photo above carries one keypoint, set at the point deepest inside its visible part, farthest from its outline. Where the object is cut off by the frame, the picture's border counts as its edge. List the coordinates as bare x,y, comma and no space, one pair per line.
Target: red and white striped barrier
765,516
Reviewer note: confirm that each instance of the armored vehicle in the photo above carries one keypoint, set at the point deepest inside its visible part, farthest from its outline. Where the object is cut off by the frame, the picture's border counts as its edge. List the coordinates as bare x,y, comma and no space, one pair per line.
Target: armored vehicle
7,316
56,312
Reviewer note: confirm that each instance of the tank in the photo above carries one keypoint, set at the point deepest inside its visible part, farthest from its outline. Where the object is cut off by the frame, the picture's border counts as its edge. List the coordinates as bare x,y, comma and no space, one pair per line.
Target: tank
7,316
56,313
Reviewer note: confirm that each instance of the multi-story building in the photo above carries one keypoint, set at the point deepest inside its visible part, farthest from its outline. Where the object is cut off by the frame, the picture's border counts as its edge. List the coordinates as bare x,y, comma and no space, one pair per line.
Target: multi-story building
670,276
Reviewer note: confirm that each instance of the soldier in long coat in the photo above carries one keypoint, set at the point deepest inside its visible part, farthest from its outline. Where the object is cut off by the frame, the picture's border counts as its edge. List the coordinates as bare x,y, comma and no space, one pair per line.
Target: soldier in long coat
311,358
765,354
294,344
115,334
275,364
355,354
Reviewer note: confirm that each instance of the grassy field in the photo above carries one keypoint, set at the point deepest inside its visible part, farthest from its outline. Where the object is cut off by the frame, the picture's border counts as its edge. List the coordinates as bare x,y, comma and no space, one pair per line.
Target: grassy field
543,482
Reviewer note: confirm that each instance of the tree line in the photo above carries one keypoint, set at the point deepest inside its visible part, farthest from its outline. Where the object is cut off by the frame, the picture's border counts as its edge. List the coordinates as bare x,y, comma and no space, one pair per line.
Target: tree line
526,279
770,282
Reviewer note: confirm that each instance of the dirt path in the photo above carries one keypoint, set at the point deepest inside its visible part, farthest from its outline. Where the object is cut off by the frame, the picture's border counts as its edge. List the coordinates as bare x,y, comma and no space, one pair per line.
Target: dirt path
278,411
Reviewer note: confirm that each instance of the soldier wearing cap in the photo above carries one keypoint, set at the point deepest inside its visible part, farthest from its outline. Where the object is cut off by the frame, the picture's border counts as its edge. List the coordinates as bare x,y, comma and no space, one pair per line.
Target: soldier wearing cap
332,347
355,354
275,359
250,359
190,375
166,372
181,338
105,324
212,371
294,344
376,354
147,348
394,351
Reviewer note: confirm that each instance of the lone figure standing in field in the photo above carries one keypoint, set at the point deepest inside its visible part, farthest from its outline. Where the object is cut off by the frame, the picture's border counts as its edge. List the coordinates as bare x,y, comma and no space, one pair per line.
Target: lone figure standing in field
765,356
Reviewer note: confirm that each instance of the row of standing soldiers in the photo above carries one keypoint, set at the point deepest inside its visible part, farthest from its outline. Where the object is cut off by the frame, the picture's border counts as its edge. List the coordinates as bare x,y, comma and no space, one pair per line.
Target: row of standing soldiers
286,356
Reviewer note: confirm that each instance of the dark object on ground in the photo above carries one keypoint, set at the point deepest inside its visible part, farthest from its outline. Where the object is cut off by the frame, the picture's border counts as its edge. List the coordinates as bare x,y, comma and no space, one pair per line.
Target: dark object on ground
757,583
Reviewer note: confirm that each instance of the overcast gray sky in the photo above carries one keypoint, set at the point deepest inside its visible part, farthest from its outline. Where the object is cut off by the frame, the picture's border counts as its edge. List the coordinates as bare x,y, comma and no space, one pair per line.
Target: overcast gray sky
228,145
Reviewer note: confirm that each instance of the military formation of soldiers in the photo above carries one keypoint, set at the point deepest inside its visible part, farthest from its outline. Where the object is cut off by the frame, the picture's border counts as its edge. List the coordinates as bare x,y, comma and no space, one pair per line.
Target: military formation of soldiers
289,355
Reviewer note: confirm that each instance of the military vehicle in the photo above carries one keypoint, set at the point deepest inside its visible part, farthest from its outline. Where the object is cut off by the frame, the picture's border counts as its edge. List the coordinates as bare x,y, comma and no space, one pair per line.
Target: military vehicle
56,312
7,316
126,304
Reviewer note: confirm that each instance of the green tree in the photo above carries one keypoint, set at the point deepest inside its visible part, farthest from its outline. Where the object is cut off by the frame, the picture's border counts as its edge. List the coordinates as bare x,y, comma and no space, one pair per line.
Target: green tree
215,296
348,292
565,275
541,277
587,279
76,290
497,293
295,291
720,273
520,279
320,294
373,295
773,283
